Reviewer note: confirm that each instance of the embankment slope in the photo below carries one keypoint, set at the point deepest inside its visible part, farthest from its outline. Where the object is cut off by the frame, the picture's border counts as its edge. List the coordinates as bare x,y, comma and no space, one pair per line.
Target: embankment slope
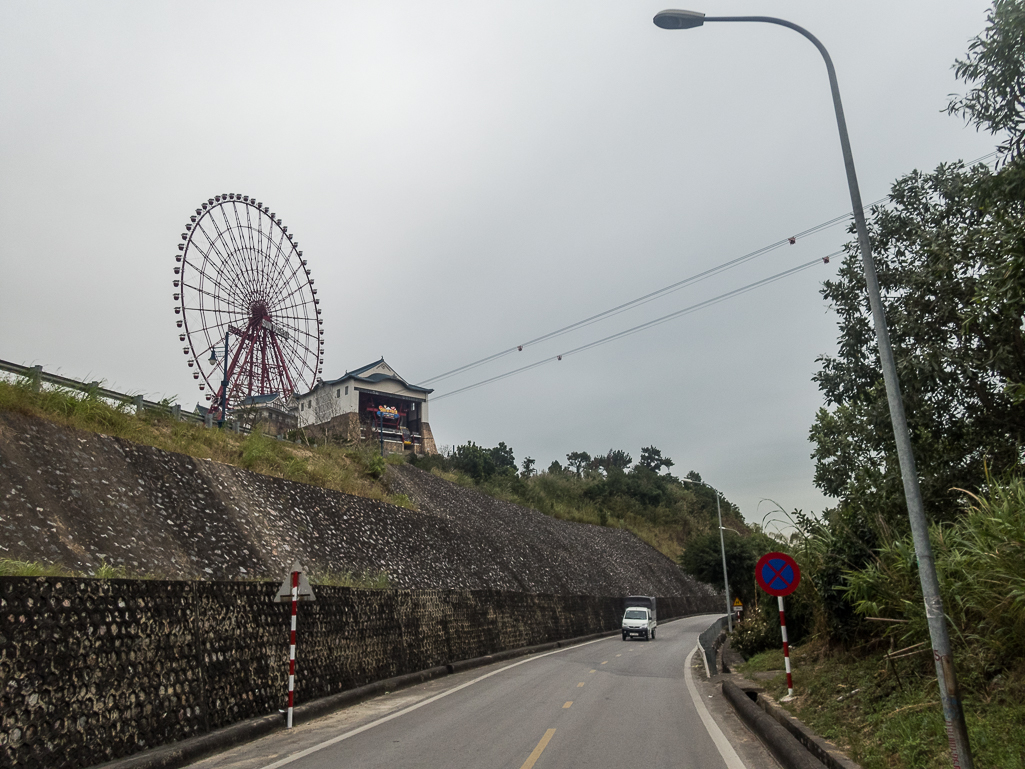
78,499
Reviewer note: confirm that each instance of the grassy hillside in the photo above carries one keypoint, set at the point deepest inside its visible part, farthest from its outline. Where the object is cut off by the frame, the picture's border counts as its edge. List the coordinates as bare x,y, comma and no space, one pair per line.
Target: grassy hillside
350,469
661,510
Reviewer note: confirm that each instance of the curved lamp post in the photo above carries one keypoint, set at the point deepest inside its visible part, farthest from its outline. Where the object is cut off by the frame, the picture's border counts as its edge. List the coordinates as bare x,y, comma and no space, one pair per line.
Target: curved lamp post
949,691
722,549
224,380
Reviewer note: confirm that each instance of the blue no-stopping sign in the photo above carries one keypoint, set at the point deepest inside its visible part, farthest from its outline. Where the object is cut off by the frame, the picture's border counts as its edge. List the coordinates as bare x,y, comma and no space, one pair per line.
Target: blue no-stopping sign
777,574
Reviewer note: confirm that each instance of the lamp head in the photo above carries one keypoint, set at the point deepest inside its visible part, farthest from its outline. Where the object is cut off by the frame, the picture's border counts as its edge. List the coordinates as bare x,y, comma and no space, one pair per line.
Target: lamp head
671,19
213,357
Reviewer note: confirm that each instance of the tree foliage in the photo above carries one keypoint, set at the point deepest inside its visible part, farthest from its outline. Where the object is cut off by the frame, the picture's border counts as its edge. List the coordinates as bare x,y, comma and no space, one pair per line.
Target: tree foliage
577,461
482,464
950,252
995,63
703,560
607,491
940,244
652,459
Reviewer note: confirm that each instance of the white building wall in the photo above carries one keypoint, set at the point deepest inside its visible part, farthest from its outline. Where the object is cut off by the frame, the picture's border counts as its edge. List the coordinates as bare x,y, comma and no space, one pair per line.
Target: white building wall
327,402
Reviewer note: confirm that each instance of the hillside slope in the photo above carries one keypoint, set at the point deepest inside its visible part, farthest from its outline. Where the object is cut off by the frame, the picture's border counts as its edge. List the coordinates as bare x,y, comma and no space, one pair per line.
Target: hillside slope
78,499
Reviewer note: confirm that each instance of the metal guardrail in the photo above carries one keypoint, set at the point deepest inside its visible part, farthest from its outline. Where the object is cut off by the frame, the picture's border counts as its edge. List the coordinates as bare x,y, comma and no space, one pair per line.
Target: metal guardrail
37,376
708,643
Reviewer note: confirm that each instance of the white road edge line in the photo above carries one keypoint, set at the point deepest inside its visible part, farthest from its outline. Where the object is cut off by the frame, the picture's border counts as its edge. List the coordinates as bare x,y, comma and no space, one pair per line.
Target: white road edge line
729,755
417,706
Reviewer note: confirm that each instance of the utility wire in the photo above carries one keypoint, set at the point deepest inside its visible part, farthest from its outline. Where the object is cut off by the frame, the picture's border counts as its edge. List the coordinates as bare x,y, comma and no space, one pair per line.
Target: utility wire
646,325
665,290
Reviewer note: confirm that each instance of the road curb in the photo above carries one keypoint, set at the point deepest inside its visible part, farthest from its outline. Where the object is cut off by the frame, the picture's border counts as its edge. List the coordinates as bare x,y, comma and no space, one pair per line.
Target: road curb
824,750
780,742
179,754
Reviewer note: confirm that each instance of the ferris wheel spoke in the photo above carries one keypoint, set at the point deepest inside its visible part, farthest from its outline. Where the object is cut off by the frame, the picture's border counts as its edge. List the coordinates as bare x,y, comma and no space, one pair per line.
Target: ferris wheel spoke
221,328
207,292
293,278
301,310
286,292
222,266
231,267
294,344
281,256
228,229
255,255
236,233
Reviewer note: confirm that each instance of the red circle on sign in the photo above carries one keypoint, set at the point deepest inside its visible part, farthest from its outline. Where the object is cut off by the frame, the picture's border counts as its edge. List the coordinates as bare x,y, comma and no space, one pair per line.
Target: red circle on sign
777,574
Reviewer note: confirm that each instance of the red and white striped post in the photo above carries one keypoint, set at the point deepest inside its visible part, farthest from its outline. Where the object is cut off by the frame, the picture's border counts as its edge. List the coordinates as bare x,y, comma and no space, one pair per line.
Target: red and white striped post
295,588
786,647
778,574
291,647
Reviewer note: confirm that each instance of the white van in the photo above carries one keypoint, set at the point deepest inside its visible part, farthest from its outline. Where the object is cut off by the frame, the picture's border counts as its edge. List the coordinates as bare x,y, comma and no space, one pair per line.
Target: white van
639,621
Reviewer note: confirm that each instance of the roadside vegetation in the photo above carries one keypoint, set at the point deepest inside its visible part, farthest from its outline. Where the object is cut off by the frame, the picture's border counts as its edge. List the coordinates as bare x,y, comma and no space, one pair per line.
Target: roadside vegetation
950,250
606,490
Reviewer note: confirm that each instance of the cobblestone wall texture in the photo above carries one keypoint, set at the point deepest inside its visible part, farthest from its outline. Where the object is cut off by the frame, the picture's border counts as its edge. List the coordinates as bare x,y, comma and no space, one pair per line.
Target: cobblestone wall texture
80,499
93,670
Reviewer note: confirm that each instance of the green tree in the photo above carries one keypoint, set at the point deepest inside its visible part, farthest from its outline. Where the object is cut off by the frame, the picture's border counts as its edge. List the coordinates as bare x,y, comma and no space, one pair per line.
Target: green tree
577,461
703,560
528,467
652,459
481,463
937,242
615,459
996,65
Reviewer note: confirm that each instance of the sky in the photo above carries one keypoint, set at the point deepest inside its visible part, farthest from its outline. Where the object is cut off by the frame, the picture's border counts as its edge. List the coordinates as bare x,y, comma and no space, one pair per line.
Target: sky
465,177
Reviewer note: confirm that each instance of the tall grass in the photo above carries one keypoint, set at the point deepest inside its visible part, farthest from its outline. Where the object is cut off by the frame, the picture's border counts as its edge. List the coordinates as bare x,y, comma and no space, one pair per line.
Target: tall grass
356,470
980,561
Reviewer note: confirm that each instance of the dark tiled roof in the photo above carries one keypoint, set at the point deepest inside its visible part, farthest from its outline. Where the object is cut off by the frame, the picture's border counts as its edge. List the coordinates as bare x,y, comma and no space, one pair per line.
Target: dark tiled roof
371,379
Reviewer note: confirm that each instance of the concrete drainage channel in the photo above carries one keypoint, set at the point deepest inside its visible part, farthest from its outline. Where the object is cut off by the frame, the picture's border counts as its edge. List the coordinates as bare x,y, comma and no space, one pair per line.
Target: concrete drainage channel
791,743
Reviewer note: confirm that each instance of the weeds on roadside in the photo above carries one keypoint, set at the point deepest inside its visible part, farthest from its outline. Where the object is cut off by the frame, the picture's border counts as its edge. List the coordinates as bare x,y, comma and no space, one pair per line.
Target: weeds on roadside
367,580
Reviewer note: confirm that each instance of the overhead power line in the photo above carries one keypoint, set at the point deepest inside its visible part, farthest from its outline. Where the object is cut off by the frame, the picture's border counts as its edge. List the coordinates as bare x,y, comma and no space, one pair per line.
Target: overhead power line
644,326
665,290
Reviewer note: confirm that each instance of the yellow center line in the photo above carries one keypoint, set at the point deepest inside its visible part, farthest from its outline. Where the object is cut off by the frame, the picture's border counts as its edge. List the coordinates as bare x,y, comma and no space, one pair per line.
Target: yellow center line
533,757
567,705
606,662
593,671
580,684
619,655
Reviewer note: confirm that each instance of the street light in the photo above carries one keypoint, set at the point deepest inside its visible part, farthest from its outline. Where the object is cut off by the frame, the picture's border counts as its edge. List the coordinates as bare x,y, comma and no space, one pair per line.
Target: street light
224,380
949,690
722,549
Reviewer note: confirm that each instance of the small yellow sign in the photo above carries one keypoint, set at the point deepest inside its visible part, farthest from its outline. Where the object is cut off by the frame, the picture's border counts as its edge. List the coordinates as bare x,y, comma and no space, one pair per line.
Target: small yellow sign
736,602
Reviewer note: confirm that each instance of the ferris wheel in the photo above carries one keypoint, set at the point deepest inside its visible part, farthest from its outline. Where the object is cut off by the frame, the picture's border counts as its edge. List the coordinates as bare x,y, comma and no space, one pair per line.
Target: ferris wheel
242,285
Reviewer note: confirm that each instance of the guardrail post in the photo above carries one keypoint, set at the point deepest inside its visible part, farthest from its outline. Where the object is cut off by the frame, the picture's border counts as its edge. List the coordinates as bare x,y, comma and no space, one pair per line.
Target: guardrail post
208,419
176,412
137,400
37,378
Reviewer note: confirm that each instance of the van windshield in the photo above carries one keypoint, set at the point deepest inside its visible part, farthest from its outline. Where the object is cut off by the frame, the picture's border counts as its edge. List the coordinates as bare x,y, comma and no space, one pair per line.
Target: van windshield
636,614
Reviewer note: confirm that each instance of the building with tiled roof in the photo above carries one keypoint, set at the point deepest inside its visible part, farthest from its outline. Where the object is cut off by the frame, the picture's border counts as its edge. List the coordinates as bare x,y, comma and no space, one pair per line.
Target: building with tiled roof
370,403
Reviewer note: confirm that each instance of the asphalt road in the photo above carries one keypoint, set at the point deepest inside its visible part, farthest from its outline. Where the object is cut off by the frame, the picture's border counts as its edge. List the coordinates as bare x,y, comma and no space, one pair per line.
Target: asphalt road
607,703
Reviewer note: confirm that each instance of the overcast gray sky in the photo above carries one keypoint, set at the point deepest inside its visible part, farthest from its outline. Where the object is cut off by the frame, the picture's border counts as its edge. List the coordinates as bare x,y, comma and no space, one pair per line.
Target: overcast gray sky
467,176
